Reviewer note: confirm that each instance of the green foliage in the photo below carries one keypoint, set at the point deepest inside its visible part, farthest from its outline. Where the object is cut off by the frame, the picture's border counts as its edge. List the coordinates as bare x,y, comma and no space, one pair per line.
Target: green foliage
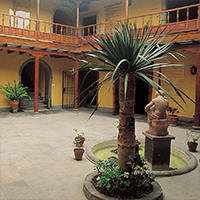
78,134
192,137
127,50
113,178
16,92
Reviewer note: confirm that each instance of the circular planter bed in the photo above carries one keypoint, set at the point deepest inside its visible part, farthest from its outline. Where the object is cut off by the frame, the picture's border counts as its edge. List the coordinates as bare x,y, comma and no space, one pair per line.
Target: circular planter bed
91,192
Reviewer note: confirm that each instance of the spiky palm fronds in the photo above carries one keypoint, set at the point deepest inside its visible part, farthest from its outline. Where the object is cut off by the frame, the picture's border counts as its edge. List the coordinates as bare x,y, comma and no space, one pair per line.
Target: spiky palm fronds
131,50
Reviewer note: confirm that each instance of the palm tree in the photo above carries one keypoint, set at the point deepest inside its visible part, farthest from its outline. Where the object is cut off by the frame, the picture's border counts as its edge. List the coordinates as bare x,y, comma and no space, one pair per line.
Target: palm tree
125,54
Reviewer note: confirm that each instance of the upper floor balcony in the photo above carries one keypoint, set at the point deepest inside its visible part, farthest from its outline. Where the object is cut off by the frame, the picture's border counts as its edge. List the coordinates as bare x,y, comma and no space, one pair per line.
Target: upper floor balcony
180,20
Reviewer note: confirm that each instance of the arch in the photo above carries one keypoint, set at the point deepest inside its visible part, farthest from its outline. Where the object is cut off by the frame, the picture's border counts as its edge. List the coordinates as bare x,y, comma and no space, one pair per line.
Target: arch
63,14
29,66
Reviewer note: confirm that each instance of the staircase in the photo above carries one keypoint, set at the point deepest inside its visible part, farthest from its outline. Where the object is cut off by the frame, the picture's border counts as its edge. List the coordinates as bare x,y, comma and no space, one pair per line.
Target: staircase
29,104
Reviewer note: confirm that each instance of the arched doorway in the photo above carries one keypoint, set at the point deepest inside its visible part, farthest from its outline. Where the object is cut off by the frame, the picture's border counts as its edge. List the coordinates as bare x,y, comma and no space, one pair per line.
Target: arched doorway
63,14
27,77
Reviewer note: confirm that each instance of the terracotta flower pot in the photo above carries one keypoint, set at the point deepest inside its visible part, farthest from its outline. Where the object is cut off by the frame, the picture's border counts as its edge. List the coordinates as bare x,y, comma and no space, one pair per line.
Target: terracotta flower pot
173,120
81,141
78,153
14,105
192,146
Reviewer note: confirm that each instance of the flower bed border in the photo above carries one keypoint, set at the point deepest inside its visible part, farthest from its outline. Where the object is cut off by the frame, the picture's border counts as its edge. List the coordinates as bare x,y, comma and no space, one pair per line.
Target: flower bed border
90,191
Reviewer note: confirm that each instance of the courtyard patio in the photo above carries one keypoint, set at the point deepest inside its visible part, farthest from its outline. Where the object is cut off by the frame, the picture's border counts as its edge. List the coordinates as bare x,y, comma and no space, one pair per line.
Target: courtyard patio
37,161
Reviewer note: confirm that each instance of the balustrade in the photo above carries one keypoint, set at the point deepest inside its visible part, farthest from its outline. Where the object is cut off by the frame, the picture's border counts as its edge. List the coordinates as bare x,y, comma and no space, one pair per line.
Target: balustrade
178,19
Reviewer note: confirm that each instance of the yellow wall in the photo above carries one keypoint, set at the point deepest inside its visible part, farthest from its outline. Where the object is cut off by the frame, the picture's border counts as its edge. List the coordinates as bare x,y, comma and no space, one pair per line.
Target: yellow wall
105,99
9,70
181,77
101,8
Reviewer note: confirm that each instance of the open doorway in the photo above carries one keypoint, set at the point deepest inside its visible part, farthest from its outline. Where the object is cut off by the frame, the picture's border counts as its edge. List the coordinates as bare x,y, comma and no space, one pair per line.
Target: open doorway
89,83
27,77
141,96
89,21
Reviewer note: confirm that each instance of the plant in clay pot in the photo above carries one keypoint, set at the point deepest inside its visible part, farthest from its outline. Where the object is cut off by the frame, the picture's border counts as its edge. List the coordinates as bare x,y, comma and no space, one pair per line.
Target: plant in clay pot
133,182
15,93
192,141
78,151
171,116
80,137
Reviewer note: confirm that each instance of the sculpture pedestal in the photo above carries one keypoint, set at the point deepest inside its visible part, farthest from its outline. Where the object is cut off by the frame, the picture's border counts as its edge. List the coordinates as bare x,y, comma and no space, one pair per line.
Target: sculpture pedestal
157,151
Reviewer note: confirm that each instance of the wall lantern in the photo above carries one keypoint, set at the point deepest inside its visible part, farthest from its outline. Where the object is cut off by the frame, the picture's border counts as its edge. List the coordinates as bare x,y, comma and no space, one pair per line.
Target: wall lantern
193,70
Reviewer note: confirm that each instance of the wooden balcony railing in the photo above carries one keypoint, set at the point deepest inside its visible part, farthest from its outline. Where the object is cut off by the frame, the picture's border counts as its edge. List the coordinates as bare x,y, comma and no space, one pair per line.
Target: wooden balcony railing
31,29
179,20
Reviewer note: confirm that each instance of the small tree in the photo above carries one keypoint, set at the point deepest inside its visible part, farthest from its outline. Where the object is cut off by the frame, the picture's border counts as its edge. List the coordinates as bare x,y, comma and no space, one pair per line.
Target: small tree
124,54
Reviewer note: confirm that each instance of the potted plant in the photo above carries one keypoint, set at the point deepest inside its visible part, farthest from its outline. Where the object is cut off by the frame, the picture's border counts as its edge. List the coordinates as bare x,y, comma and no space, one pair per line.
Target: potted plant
78,151
172,117
79,137
192,141
15,93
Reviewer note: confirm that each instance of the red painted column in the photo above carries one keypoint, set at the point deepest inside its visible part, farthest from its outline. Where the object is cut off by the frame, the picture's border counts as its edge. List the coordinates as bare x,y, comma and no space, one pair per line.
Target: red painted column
197,100
37,25
76,84
77,19
36,83
126,10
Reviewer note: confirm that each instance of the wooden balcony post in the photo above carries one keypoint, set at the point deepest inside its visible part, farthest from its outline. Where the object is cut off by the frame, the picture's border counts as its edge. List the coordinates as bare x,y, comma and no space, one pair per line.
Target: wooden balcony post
37,25
197,100
198,18
36,83
77,19
76,84
126,11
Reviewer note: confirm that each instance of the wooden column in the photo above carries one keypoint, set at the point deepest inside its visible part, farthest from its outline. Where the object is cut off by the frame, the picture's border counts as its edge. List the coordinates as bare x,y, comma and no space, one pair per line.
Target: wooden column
197,100
77,19
37,26
36,83
76,84
126,11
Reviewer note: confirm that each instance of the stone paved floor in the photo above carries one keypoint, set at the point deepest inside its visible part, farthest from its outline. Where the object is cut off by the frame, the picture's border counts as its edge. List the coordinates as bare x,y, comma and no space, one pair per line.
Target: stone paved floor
37,159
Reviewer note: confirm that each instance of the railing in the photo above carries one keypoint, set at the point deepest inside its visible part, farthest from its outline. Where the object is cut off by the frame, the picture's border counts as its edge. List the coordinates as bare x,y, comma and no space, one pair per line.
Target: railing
29,28
179,20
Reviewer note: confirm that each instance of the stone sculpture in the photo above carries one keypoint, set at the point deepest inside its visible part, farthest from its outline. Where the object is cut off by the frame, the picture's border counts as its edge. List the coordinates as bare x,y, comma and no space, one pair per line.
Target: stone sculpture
156,111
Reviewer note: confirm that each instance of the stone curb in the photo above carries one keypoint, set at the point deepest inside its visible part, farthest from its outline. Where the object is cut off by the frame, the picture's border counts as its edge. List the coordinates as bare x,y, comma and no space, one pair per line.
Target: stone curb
90,191
192,161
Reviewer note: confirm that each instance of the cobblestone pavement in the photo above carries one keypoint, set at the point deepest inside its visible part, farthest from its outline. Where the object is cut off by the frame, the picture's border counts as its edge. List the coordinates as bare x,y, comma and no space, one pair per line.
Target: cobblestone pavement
37,160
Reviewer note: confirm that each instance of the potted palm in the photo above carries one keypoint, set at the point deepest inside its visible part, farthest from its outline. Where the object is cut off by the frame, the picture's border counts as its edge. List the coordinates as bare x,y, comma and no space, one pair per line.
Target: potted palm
192,141
172,117
15,93
78,151
79,137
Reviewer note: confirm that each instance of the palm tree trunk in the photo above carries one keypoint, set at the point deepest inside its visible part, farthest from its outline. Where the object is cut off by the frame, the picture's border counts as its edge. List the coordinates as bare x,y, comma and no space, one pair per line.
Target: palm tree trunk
126,135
